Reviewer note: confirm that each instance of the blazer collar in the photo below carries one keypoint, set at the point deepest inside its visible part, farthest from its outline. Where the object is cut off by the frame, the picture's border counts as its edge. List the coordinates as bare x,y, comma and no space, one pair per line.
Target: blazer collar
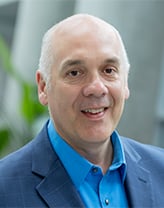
55,187
138,183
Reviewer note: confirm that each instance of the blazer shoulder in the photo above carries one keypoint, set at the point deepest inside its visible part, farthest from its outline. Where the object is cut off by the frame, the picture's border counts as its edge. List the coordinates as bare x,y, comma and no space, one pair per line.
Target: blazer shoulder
20,159
145,167
147,153
131,143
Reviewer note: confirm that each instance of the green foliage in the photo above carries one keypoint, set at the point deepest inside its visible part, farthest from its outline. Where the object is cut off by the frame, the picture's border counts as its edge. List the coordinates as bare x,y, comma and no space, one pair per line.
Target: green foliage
30,108
5,59
4,138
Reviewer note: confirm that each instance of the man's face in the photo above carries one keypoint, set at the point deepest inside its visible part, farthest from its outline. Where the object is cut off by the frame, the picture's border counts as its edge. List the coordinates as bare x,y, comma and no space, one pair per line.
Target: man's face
88,87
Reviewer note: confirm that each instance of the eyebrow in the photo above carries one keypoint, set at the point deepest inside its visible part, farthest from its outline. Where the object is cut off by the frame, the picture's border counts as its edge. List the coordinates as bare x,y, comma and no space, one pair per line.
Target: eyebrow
113,60
71,62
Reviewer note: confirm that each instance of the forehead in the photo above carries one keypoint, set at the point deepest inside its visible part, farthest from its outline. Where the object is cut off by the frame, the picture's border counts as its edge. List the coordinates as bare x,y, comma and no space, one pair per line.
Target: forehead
85,35
82,26
84,23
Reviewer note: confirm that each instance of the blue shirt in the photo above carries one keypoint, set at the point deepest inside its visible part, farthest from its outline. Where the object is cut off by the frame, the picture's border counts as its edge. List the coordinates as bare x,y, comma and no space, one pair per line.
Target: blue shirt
96,190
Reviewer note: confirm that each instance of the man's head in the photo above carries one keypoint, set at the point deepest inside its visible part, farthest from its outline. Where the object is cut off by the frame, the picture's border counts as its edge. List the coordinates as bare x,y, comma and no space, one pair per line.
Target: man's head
82,77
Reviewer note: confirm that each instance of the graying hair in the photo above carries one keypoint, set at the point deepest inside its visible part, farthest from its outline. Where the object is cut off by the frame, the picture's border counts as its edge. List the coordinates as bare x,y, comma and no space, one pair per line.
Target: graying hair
125,59
47,58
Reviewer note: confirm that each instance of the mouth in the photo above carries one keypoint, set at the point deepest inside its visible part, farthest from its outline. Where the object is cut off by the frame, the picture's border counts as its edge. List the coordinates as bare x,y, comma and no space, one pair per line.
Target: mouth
94,112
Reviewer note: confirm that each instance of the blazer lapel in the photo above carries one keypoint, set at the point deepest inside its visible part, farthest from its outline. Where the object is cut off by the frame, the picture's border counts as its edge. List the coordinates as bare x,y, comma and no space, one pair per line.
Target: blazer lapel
55,187
138,181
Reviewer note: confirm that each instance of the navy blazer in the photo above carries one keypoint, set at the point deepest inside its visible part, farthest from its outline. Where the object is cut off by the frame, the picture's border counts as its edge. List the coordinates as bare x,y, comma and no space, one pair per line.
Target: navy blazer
34,177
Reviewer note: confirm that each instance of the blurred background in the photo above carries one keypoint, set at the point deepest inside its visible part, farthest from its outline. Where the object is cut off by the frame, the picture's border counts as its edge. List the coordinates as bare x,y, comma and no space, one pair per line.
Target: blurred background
22,25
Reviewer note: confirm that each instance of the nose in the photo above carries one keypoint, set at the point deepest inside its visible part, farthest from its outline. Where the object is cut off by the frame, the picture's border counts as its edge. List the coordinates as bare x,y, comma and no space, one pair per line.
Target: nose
96,87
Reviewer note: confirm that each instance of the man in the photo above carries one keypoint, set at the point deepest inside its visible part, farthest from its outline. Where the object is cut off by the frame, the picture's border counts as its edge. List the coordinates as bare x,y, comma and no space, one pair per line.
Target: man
78,159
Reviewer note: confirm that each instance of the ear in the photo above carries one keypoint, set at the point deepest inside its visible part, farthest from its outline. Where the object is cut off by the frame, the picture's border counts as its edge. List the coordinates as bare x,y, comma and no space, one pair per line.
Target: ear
42,90
127,92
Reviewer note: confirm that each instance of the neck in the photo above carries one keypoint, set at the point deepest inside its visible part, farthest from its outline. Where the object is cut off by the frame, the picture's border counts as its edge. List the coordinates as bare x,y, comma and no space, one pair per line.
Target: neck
98,154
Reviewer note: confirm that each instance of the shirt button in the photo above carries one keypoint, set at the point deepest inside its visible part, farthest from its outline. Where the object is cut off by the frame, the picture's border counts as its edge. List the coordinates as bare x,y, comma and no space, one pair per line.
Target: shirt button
106,201
94,169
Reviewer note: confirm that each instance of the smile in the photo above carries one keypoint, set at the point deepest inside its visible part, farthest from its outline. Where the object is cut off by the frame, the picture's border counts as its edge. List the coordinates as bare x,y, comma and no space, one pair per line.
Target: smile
94,111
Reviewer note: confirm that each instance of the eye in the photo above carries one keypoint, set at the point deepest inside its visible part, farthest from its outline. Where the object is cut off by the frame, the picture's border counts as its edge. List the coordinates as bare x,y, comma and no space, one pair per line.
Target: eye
74,73
109,70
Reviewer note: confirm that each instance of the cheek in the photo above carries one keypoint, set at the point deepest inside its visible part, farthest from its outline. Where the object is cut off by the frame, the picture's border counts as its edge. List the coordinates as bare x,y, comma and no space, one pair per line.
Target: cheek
119,94
117,91
64,97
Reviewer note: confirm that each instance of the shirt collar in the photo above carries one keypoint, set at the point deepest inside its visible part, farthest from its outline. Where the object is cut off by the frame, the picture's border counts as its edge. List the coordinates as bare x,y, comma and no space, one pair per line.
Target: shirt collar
119,161
76,165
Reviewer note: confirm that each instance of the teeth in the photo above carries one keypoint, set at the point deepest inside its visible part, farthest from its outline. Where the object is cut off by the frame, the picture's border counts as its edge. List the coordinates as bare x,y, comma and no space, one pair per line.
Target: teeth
94,110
